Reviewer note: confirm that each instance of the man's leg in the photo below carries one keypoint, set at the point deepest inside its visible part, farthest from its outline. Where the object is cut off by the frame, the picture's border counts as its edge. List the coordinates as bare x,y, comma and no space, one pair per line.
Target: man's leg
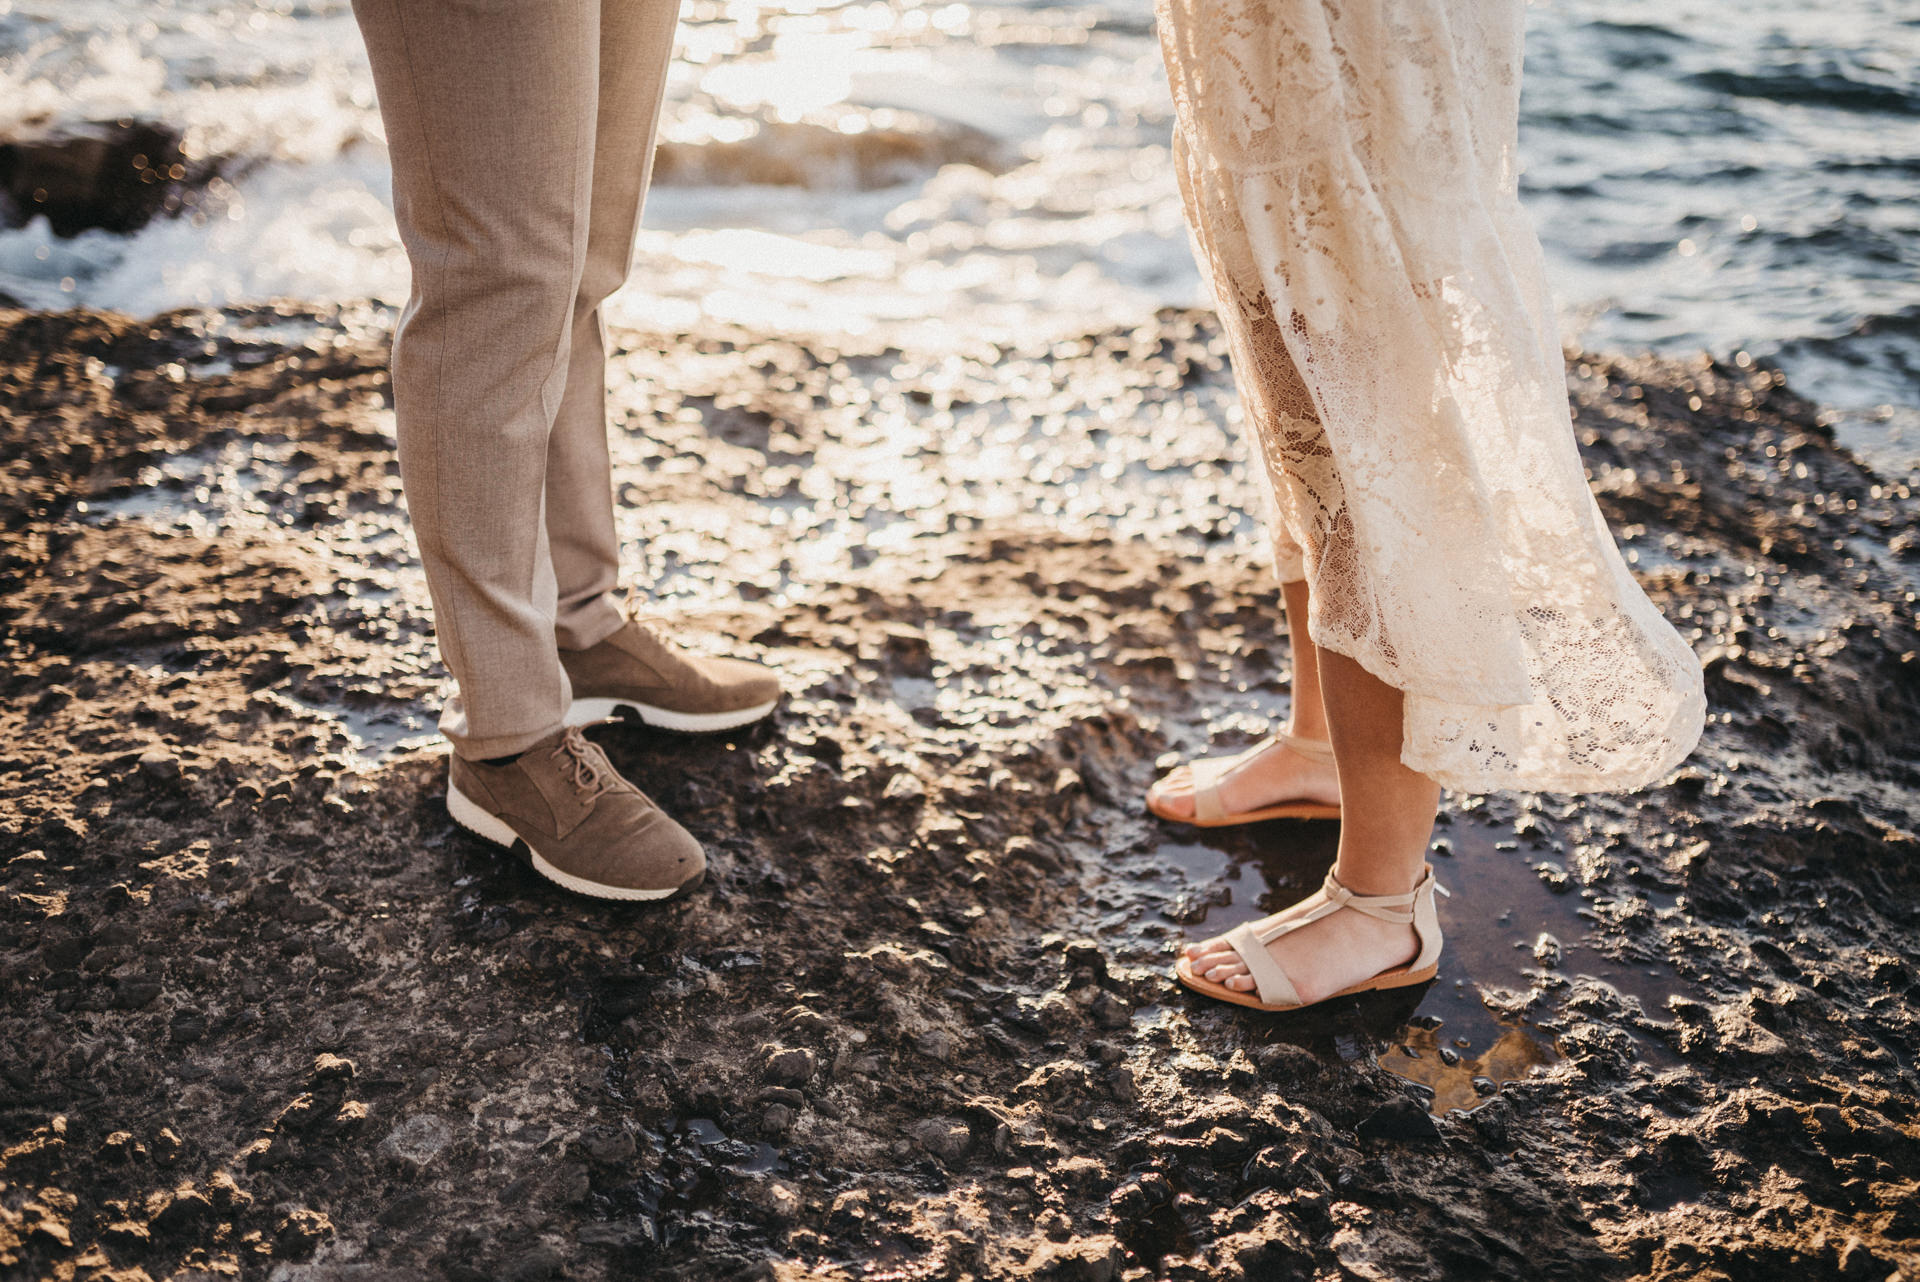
619,667
490,116
490,107
636,41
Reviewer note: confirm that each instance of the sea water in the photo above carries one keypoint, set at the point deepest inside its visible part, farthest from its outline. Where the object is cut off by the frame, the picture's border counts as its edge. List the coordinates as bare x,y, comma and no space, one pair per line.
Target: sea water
1701,178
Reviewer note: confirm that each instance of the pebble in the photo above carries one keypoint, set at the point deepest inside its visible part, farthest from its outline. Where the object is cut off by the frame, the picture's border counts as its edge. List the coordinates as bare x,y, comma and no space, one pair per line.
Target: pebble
417,1141
783,1200
904,787
1399,1119
1109,1011
300,1231
1086,954
611,1145
788,1065
159,764
937,1044
120,1146
328,1067
944,1138
1547,950
184,1210
909,652
537,1264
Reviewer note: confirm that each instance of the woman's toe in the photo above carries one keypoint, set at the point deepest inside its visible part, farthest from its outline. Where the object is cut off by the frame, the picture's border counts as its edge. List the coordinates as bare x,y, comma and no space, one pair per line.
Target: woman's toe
1174,792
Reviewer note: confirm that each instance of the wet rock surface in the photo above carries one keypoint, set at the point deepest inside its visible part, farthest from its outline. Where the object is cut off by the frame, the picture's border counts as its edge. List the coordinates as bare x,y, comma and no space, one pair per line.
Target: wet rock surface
268,1013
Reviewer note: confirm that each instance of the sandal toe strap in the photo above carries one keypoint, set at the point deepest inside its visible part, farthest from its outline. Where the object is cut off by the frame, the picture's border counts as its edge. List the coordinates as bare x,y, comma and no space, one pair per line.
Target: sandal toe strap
1269,981
1207,773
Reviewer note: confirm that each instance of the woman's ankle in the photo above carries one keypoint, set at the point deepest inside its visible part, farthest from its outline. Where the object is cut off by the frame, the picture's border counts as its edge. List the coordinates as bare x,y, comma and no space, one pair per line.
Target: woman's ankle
1375,876
1306,727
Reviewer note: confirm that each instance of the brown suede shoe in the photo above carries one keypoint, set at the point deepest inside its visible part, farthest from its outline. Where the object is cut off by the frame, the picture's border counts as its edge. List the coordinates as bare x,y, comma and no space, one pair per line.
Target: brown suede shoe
581,825
636,673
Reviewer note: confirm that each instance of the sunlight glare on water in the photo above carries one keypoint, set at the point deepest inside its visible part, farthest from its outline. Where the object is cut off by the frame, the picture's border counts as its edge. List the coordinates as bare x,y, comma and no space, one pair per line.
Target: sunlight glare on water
808,70
1001,171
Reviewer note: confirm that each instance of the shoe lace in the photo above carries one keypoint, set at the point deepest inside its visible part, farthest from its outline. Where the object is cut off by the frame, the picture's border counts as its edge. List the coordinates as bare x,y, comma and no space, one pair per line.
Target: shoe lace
580,764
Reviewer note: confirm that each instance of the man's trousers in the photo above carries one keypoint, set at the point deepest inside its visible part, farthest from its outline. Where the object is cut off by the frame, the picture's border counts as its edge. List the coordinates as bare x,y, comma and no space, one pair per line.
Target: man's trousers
521,134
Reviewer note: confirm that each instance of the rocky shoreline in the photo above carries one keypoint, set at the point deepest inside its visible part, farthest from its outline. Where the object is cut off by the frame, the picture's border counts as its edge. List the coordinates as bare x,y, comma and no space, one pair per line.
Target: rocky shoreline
268,1015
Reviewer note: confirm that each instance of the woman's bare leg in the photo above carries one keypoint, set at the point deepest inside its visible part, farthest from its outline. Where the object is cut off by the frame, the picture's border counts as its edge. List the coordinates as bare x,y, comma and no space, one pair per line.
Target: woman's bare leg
1386,823
1309,719
1275,773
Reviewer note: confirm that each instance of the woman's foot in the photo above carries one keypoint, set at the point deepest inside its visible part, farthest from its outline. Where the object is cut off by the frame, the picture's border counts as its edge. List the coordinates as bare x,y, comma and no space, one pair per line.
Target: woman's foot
1338,950
1321,958
1270,774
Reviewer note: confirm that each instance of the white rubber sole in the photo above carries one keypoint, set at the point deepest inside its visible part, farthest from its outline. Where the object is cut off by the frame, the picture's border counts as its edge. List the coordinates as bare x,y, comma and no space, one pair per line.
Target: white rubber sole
489,827
587,712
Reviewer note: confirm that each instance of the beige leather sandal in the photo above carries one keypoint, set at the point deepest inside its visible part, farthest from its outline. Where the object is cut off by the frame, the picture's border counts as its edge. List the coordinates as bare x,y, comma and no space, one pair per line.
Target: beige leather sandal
1273,991
1209,812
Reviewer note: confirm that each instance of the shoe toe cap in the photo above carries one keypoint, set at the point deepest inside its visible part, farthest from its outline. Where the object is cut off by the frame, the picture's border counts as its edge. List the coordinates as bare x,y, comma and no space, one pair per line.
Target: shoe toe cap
745,684
632,849
666,854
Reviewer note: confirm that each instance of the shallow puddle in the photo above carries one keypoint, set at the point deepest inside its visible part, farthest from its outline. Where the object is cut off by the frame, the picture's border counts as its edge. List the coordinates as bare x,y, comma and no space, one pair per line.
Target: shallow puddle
1514,923
367,737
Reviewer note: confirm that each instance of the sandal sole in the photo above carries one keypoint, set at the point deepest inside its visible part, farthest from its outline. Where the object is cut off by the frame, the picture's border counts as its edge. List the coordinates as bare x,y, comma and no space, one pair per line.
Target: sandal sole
1396,978
1286,810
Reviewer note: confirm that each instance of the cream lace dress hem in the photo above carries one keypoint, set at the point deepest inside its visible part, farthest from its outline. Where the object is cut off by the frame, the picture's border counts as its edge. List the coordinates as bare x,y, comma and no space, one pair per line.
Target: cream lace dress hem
1348,172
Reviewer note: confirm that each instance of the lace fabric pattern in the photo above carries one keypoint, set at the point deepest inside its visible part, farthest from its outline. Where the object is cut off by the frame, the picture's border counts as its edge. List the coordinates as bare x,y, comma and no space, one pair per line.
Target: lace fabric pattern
1349,175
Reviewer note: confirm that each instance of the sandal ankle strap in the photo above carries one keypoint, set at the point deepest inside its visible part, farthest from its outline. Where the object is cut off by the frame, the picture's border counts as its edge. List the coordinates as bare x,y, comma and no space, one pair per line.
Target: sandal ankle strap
1393,908
1311,749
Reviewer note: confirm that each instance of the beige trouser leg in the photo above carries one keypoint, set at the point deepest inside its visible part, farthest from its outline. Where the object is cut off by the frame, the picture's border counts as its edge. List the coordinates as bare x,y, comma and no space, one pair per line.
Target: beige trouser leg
521,134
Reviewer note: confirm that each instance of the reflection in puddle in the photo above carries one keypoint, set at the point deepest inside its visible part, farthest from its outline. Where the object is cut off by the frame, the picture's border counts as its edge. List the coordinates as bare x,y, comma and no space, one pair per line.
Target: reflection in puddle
1427,1056
1514,925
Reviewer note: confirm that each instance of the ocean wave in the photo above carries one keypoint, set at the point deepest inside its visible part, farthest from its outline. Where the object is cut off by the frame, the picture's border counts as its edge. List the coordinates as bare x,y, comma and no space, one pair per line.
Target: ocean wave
1904,321
1827,87
822,157
1878,353
1638,30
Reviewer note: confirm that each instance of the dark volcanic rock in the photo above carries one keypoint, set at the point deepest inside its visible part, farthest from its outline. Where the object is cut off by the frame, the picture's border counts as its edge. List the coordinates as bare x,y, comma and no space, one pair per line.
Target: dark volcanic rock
788,1065
1399,1119
112,175
268,1014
